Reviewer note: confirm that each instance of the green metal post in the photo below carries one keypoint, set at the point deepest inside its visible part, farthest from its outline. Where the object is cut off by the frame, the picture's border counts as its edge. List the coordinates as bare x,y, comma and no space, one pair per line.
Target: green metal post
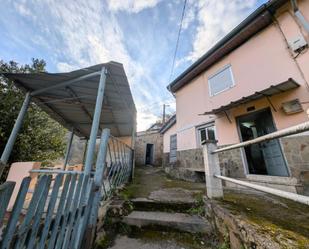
67,154
95,123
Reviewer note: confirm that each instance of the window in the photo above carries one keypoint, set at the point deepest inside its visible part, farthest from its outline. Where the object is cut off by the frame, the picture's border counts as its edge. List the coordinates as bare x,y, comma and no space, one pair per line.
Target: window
221,81
173,148
206,132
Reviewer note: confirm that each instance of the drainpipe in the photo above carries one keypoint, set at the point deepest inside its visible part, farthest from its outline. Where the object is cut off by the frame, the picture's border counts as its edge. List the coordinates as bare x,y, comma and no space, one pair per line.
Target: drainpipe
299,15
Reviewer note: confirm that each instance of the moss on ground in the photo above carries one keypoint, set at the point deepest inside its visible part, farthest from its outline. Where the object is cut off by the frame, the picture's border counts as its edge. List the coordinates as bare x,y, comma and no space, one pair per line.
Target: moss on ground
183,239
149,179
280,218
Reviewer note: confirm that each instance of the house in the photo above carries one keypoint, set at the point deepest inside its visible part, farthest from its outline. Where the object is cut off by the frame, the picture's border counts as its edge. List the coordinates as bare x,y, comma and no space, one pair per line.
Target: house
252,82
149,146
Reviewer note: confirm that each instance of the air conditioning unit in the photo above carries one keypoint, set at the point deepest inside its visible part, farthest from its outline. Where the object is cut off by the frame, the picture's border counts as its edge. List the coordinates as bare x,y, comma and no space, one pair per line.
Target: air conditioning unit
298,43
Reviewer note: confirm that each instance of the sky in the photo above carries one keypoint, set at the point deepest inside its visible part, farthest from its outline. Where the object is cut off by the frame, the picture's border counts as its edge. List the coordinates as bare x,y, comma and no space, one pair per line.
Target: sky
140,34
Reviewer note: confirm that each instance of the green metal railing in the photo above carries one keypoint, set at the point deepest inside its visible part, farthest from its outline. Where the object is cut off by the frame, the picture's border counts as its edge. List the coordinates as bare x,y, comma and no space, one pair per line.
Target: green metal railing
63,209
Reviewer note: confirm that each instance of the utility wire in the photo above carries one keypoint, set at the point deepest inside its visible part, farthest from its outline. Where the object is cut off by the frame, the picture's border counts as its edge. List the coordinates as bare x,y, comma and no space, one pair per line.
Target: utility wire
177,42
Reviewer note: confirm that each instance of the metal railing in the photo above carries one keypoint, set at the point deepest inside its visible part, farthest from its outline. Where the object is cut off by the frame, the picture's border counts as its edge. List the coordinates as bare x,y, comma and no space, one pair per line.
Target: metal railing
212,167
61,211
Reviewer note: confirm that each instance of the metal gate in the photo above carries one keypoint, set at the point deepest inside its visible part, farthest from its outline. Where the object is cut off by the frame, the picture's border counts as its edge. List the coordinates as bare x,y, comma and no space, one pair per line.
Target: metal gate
62,210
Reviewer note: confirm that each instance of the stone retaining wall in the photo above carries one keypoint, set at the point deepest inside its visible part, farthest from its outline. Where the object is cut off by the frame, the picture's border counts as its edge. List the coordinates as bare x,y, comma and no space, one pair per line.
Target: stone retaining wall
295,149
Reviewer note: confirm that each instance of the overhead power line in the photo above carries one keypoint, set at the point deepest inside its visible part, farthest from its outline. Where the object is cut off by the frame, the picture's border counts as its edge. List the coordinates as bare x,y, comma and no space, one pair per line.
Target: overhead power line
178,36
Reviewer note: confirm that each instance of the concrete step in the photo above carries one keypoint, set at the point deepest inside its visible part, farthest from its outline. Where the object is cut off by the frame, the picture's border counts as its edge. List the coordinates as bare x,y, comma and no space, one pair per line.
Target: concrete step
145,204
168,200
177,221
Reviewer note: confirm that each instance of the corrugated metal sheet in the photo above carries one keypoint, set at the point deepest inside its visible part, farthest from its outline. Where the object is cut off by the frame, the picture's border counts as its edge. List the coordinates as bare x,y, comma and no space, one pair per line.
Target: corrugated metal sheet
268,92
73,105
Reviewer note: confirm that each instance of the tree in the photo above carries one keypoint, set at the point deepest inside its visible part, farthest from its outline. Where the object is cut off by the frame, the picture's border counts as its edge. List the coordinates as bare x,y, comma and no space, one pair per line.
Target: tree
40,138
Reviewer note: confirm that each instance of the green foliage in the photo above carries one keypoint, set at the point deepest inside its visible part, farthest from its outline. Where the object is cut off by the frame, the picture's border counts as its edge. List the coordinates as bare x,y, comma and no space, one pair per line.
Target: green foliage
40,138
199,207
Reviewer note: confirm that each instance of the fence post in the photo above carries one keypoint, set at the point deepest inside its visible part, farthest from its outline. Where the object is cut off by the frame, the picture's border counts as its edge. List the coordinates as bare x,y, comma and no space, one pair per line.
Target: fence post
212,168
98,182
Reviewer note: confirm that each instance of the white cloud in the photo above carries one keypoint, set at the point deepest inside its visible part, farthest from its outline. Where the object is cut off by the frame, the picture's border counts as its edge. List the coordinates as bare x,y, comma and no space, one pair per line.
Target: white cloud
216,19
82,33
145,120
22,9
65,67
132,6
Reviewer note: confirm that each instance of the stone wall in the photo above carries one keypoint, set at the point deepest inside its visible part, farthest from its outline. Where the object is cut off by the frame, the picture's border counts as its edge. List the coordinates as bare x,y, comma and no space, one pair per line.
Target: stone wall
295,149
189,165
144,138
231,163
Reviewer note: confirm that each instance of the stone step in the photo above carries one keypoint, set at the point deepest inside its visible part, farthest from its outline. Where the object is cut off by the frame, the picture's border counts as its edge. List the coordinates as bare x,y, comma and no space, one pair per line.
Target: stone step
145,204
176,221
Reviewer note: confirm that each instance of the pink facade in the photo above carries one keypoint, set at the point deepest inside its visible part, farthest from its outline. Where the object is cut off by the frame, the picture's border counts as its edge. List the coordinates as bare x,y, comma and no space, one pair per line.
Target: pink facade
264,60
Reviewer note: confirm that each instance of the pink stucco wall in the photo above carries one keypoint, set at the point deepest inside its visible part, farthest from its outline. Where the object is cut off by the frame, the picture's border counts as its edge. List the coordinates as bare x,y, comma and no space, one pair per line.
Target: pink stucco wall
18,171
262,61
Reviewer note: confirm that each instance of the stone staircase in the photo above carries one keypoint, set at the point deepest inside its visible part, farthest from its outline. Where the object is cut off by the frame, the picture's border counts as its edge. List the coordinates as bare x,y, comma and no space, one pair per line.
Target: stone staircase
169,215
176,221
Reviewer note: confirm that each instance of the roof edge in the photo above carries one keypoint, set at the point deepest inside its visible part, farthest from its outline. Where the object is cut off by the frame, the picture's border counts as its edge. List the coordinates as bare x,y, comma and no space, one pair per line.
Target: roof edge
168,124
269,7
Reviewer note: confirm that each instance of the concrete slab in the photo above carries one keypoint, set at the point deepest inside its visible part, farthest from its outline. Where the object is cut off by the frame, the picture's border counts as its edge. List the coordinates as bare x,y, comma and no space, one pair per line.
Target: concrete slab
178,221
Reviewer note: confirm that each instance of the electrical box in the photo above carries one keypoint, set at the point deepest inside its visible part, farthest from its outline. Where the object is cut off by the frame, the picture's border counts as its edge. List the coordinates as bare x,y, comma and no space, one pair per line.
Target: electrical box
293,106
298,43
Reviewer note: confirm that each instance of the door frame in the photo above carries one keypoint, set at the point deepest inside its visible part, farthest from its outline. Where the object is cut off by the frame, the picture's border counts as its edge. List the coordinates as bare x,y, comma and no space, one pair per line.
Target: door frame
145,156
242,150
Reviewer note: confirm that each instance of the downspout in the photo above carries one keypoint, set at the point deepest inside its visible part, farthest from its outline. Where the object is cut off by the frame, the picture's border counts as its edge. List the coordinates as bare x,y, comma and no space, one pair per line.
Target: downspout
299,15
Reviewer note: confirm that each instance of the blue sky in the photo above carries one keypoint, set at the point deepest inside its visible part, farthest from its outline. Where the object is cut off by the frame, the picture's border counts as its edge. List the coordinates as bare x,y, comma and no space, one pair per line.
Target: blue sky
141,34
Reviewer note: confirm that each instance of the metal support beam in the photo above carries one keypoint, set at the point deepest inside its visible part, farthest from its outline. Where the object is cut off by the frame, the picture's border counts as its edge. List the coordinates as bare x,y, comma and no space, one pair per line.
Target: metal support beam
69,145
18,123
99,175
85,150
284,194
65,83
277,134
95,122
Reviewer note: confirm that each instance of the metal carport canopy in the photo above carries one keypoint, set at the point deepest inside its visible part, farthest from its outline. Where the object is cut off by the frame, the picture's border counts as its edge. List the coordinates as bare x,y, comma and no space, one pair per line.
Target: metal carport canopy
72,103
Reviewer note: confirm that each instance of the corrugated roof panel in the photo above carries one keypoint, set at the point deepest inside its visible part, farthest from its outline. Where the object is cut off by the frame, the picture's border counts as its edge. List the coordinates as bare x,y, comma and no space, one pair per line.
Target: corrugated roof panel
71,105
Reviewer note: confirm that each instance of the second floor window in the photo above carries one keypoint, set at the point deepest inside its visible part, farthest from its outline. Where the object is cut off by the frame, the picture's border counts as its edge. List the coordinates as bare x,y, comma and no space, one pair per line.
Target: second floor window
221,81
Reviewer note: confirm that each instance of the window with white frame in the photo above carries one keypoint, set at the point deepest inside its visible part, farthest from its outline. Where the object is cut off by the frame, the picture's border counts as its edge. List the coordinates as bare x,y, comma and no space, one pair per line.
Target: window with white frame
206,132
221,81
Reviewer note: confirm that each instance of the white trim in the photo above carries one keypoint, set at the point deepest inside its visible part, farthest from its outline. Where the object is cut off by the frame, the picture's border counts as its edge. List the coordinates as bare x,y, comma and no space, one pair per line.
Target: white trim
228,66
204,126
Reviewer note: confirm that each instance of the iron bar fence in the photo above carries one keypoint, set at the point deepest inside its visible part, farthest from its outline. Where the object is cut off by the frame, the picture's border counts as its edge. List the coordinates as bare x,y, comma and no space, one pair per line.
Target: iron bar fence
212,168
61,210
